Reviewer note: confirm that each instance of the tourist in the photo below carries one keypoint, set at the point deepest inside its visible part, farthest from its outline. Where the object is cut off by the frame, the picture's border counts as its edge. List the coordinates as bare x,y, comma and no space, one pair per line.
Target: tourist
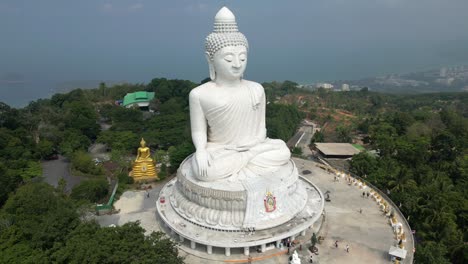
360,210
368,194
336,244
363,194
311,259
347,248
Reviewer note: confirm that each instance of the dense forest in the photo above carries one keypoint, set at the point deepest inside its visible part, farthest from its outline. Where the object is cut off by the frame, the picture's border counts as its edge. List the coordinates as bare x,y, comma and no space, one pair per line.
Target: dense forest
42,224
421,143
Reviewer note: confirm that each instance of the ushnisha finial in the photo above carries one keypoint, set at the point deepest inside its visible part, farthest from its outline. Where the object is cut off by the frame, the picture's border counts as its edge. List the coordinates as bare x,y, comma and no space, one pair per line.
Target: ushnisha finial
225,33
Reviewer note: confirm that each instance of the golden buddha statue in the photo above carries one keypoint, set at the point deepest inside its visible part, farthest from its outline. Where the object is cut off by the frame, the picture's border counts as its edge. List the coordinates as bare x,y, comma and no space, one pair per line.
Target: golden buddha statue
143,166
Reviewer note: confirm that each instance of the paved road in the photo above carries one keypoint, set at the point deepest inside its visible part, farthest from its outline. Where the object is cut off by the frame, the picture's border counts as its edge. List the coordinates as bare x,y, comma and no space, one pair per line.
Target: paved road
53,170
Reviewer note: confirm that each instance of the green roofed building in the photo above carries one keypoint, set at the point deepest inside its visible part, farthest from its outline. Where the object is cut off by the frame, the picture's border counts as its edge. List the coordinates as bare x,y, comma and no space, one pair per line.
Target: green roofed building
139,99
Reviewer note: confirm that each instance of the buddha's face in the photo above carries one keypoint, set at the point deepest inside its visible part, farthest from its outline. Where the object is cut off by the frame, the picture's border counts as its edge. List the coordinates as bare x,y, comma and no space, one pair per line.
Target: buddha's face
230,62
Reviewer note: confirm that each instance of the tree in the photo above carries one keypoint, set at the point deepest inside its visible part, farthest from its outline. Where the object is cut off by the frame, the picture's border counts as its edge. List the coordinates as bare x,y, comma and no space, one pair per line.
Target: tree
317,137
363,164
91,190
82,162
179,153
39,215
8,183
297,151
90,243
45,148
344,134
431,253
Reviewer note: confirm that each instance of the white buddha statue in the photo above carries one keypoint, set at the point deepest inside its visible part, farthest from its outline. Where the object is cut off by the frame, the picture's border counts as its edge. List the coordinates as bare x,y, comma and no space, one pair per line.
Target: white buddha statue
238,178
228,113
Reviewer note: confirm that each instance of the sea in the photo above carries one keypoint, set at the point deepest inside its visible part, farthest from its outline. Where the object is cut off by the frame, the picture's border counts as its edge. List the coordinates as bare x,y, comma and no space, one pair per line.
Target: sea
19,94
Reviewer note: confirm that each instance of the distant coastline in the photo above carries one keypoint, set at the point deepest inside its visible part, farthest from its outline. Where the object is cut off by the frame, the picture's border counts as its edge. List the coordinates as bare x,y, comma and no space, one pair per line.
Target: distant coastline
19,93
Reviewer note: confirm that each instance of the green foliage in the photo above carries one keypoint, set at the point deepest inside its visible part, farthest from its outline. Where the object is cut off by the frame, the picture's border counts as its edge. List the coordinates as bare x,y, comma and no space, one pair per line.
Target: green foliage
344,134
163,172
278,89
431,253
317,137
167,89
81,116
39,225
91,190
363,163
124,178
297,151
32,169
72,141
282,121
8,182
423,162
119,140
124,244
39,217
45,148
179,153
82,162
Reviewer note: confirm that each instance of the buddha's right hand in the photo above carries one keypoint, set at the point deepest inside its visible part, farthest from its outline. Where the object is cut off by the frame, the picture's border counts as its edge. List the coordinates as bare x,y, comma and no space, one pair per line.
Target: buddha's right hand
203,161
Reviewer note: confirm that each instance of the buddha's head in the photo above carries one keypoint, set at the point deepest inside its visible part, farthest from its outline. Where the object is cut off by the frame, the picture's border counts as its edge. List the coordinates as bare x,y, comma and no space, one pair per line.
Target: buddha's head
226,48
142,143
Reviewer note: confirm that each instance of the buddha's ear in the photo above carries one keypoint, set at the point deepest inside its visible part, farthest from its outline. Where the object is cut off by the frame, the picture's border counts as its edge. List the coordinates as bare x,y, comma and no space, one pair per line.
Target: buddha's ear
208,58
210,66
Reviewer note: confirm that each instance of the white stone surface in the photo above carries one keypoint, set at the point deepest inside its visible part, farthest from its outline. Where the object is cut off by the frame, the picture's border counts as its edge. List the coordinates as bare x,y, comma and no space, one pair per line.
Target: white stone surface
218,238
239,188
227,114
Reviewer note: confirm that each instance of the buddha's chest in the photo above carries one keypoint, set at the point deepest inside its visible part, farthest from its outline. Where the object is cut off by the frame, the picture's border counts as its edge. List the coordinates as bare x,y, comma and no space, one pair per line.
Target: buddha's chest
226,98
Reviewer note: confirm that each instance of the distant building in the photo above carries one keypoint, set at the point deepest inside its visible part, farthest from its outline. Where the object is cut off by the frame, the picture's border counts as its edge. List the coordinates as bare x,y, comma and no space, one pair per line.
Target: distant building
324,85
139,99
345,87
445,81
443,72
337,150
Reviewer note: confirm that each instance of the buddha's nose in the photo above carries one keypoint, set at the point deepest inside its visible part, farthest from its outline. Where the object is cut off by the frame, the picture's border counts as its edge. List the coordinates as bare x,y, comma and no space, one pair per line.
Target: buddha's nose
236,62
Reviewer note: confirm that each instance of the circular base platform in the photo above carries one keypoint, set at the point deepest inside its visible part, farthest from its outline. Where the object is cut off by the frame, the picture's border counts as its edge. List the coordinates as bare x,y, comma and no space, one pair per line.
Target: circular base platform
212,237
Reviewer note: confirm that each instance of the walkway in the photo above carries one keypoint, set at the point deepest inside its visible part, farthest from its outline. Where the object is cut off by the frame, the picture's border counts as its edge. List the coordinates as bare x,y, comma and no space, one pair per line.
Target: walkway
53,170
368,235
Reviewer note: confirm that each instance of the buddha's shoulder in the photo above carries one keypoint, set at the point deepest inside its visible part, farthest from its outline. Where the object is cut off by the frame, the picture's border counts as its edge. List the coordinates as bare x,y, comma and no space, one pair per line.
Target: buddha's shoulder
253,85
202,89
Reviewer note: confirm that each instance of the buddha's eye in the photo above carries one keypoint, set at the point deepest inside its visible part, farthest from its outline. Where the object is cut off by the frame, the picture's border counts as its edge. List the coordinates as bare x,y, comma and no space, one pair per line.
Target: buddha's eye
228,58
242,57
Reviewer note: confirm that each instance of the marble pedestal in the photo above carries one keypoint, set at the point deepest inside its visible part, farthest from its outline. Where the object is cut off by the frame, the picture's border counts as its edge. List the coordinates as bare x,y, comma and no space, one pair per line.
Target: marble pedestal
217,214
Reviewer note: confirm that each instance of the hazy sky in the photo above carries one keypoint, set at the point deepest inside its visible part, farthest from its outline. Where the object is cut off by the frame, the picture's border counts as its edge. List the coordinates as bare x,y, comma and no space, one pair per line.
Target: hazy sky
299,40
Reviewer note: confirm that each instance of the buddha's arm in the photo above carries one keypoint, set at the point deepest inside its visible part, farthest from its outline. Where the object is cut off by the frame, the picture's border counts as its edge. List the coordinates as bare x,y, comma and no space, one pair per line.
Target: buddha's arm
138,154
263,132
197,122
198,125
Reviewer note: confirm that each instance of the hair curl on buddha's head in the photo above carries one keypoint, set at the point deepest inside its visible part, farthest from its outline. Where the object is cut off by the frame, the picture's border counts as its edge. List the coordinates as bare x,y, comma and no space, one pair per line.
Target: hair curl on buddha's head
225,33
